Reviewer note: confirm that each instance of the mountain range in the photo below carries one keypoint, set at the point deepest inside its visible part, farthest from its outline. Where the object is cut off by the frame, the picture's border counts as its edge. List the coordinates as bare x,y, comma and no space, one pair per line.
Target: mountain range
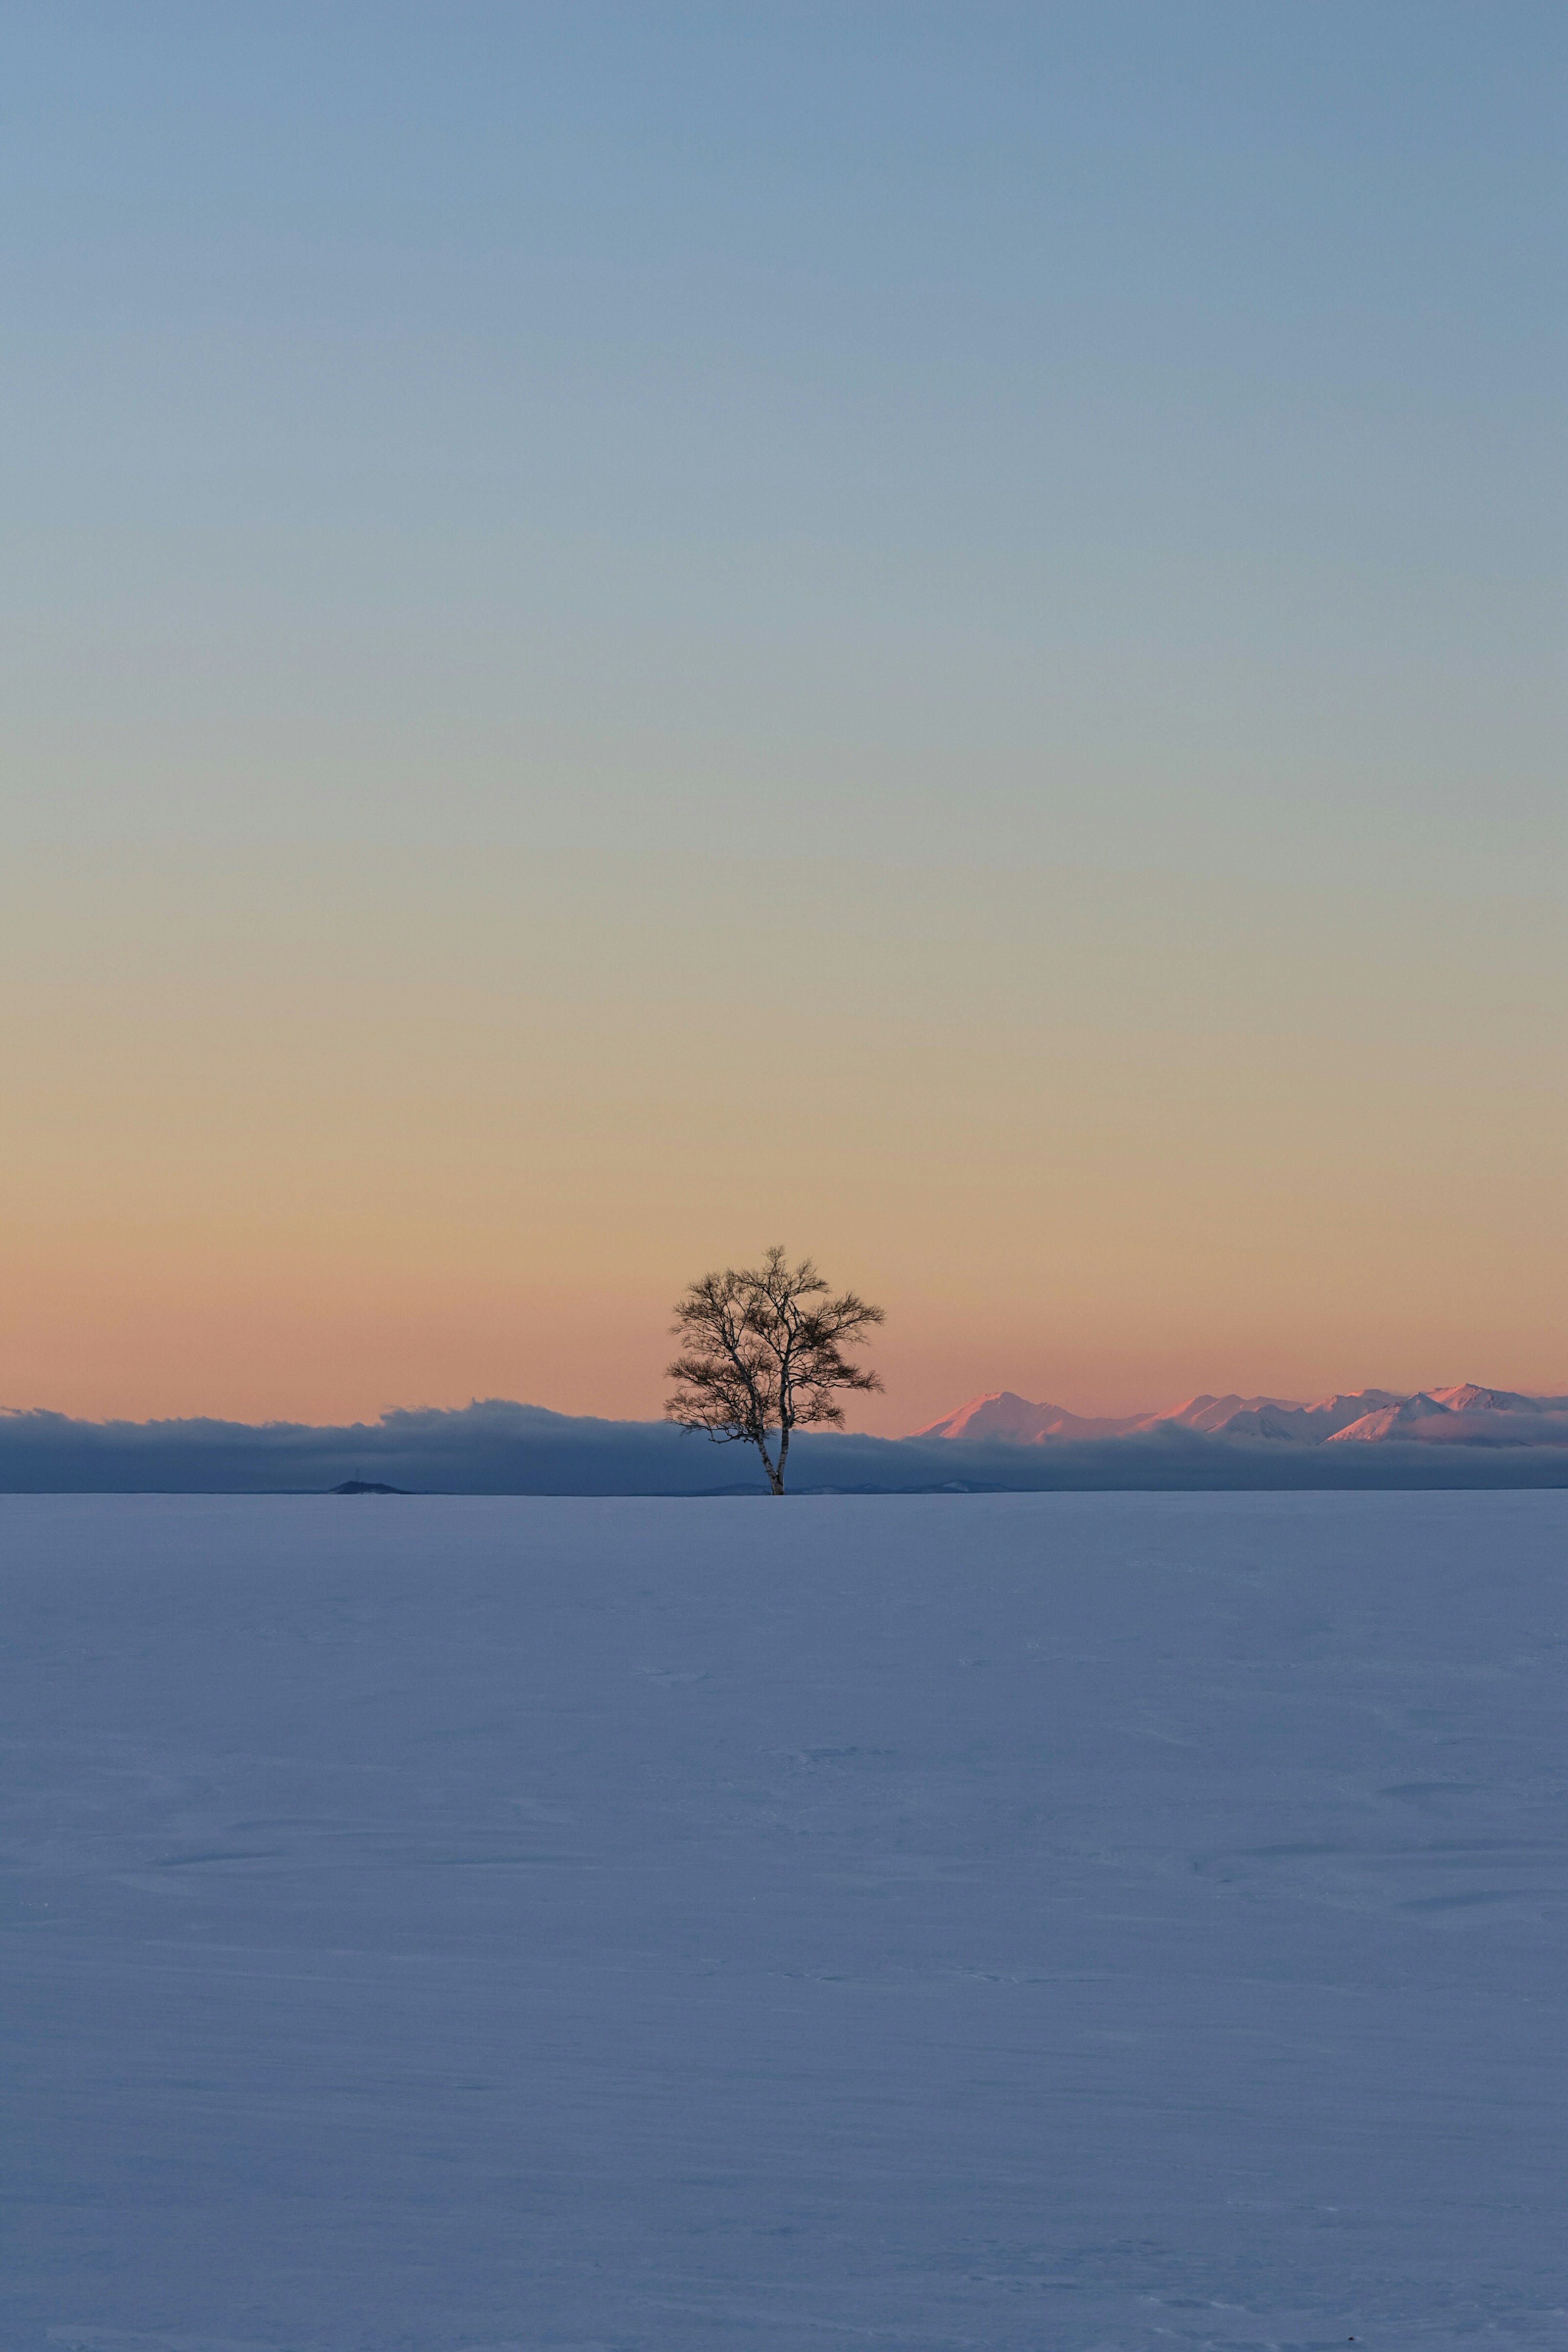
1463,1415
498,1446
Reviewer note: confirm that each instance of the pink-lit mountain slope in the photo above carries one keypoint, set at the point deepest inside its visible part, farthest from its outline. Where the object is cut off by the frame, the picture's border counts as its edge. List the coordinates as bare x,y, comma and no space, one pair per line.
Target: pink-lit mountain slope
1235,1416
1464,1415
1305,1424
1002,1416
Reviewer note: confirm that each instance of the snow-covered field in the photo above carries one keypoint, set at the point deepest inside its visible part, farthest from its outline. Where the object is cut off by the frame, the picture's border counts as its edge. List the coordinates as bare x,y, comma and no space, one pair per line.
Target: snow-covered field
1018,1921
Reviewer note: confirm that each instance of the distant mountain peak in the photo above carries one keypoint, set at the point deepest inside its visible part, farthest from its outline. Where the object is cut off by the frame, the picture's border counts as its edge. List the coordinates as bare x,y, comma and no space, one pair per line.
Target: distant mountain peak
1389,1420
1000,1414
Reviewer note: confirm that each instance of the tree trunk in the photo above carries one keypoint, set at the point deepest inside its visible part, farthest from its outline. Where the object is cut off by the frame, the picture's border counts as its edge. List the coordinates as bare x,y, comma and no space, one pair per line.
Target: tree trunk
775,1473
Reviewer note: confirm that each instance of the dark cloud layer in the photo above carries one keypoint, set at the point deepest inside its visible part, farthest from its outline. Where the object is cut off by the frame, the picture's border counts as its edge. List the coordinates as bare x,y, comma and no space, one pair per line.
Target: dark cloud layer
500,1448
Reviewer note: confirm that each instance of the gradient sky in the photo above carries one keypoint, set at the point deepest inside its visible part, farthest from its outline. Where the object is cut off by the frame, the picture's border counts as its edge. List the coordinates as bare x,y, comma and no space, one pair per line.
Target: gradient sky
933,633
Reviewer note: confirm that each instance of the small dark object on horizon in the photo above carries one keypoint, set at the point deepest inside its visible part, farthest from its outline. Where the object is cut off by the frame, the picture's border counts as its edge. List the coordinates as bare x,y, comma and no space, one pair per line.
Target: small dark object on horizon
365,1487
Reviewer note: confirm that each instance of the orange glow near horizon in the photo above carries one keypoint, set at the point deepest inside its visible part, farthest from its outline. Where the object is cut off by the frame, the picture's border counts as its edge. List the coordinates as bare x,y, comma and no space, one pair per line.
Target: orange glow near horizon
284,1146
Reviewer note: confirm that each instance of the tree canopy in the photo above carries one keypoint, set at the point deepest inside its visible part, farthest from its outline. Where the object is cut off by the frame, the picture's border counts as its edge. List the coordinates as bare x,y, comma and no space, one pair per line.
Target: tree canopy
762,1354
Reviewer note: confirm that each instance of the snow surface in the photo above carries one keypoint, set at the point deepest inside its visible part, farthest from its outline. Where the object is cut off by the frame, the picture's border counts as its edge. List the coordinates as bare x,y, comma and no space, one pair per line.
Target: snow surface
1018,1921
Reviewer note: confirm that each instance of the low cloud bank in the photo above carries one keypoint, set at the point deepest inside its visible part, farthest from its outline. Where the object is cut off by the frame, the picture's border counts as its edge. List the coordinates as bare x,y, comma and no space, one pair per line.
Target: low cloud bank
501,1448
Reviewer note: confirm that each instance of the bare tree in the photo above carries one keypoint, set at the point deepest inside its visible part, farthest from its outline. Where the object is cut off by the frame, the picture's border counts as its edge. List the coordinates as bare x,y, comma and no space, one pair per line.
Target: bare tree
763,1354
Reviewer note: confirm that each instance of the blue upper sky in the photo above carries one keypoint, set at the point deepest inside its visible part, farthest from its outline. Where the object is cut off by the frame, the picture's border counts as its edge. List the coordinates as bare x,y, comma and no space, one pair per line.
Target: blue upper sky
1117,433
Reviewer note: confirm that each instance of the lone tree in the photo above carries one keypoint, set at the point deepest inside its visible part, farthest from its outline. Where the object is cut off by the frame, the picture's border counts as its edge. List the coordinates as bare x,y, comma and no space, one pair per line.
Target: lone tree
763,1351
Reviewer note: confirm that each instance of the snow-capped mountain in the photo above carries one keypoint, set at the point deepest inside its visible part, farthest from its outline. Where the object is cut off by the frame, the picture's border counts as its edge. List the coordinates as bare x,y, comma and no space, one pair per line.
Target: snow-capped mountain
1462,1415
1466,1416
1212,1413
1309,1424
1398,1418
1000,1414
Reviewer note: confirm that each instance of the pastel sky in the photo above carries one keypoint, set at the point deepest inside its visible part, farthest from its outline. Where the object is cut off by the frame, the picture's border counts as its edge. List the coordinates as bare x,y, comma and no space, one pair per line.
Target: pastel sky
933,633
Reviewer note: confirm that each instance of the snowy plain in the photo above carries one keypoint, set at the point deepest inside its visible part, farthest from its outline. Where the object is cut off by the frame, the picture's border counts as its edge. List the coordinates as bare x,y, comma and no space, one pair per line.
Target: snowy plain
1013,1921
